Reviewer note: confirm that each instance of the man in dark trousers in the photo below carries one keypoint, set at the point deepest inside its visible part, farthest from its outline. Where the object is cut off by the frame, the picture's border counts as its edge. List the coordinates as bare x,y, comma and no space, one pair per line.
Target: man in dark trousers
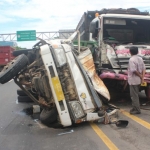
136,72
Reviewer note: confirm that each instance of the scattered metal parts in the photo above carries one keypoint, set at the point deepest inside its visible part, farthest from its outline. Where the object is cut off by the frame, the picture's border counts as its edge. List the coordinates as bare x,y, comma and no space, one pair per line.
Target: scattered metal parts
36,109
71,131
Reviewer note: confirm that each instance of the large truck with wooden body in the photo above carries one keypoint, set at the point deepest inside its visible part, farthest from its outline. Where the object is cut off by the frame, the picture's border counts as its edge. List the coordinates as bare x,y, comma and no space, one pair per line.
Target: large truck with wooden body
113,32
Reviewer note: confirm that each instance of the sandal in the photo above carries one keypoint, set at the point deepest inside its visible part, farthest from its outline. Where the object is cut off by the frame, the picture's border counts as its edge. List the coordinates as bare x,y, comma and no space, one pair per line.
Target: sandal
147,103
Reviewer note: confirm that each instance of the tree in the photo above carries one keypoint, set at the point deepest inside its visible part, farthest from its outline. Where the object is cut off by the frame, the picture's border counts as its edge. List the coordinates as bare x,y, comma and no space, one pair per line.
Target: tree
19,48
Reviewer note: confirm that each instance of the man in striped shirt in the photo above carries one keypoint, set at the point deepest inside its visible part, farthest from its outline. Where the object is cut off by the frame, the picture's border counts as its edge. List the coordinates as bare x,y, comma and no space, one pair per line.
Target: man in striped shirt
136,72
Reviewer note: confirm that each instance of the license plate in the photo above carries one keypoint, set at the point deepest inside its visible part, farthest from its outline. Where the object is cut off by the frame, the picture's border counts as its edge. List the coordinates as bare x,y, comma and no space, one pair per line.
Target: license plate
57,88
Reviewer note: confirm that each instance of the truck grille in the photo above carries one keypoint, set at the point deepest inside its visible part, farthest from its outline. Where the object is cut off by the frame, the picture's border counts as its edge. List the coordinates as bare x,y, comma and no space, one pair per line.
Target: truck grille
124,61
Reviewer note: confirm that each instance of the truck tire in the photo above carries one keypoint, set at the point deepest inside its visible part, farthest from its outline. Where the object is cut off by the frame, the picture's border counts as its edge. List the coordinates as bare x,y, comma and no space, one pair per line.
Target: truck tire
21,92
24,99
13,68
48,117
19,52
133,10
1,68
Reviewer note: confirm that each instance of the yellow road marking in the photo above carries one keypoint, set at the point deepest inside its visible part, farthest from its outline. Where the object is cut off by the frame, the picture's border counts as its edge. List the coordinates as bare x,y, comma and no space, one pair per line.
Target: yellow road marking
104,138
138,120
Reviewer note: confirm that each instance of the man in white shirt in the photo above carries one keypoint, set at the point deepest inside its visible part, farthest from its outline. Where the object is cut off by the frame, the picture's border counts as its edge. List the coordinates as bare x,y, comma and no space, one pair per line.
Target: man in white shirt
136,72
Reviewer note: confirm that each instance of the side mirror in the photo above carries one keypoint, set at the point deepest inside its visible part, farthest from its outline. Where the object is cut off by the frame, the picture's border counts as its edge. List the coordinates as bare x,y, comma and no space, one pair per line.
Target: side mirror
94,27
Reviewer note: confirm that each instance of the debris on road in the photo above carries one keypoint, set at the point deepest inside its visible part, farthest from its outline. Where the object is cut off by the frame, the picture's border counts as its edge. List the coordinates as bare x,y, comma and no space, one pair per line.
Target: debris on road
71,131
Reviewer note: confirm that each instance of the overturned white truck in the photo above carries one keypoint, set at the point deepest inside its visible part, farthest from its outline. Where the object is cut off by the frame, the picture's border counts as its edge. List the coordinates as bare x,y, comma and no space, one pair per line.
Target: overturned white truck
113,32
63,81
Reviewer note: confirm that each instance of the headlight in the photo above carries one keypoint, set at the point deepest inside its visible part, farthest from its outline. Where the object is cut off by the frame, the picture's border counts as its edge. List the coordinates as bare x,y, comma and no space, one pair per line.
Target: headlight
60,55
76,109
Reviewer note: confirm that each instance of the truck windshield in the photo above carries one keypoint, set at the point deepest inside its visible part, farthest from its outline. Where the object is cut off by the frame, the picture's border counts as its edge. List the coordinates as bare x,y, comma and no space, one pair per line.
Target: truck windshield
136,31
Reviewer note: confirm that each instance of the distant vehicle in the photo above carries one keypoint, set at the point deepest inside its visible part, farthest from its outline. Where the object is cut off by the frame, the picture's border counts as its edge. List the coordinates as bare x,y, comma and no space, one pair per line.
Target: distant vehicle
6,55
8,43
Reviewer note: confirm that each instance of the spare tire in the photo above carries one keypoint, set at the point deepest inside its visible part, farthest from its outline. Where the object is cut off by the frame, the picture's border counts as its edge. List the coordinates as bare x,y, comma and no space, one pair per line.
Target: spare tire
133,10
21,92
13,68
19,52
117,11
24,99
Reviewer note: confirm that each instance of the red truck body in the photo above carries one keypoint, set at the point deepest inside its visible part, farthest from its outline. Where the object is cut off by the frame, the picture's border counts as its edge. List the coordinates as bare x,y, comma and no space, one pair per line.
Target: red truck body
6,55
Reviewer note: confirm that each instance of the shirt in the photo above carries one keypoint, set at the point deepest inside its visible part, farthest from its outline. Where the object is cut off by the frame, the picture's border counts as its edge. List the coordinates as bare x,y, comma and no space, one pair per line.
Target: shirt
135,64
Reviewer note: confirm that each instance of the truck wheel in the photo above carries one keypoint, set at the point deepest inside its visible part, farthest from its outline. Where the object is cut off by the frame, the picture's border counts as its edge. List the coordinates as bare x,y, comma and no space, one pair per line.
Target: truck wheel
17,53
13,68
133,10
1,68
21,92
24,99
48,117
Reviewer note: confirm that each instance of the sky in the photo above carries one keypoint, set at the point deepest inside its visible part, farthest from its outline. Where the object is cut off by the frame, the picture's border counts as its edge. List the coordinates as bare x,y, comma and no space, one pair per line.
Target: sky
53,15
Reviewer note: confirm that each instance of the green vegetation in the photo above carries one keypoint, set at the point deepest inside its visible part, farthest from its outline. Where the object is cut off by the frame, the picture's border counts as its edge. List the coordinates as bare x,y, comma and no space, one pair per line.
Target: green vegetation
18,48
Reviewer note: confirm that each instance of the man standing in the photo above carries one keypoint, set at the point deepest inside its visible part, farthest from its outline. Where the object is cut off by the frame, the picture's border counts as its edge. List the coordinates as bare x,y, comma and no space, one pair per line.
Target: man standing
136,72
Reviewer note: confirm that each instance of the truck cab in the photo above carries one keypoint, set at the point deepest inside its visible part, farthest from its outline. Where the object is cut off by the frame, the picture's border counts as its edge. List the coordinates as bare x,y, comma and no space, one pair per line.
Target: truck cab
117,33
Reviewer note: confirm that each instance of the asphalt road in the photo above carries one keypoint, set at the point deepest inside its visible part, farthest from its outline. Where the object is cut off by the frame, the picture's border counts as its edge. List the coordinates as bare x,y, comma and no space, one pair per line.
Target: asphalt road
19,131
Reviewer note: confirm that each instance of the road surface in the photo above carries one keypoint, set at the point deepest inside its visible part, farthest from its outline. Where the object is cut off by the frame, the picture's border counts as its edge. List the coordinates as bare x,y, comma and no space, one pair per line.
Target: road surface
19,131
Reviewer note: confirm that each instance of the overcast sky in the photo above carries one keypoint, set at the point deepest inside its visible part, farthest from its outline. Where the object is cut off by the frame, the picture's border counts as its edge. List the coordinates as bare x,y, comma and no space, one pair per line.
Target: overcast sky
52,15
